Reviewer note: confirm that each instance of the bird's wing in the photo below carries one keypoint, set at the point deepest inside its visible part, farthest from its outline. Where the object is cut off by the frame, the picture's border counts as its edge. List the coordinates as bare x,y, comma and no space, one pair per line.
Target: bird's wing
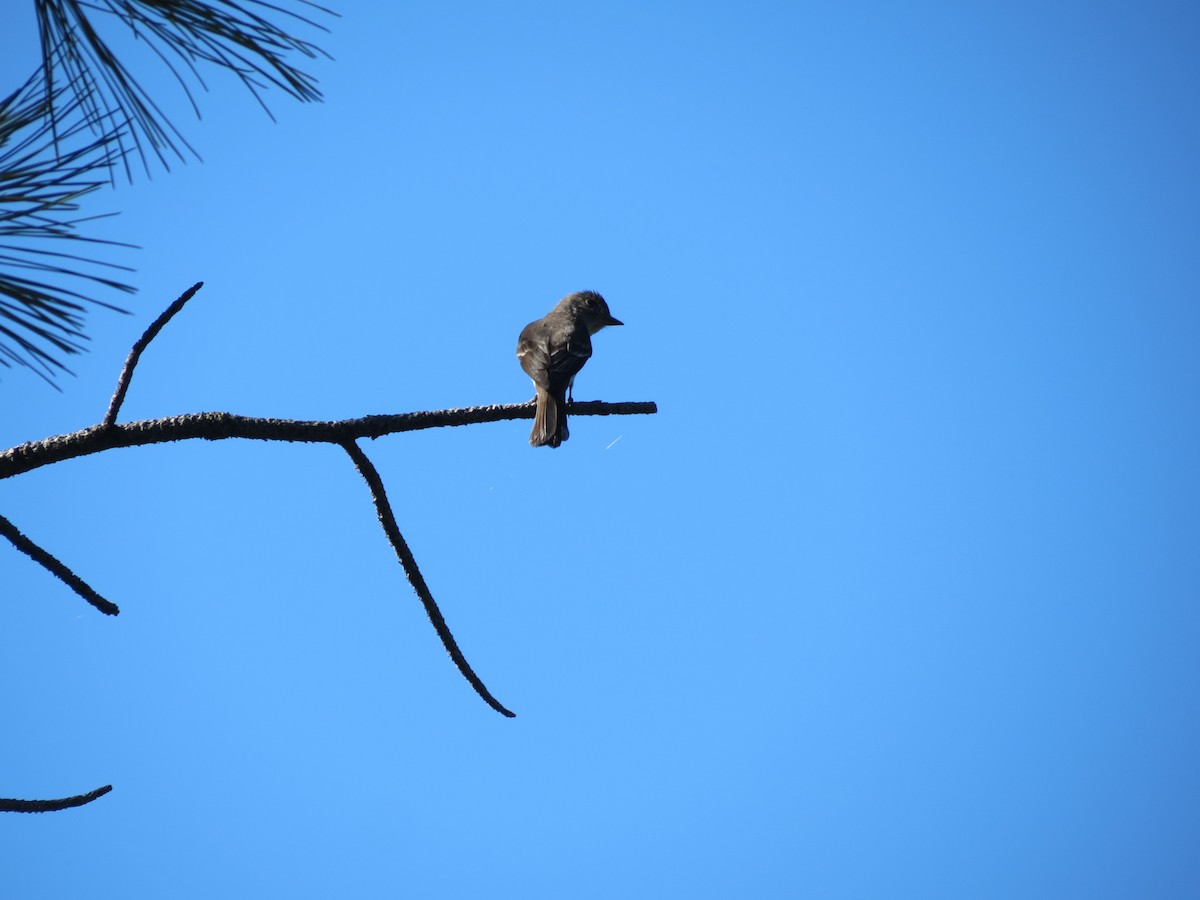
566,360
552,364
533,354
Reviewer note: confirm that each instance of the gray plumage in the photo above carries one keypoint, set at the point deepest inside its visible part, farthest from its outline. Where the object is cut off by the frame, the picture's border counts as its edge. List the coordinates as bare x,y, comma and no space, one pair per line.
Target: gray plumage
552,350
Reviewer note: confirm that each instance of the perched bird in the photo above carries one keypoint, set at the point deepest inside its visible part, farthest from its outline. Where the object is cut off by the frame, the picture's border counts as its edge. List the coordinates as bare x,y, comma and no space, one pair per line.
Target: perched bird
552,350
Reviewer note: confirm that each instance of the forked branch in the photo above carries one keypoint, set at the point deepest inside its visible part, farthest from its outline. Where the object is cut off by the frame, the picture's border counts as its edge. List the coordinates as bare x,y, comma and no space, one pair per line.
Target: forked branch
110,434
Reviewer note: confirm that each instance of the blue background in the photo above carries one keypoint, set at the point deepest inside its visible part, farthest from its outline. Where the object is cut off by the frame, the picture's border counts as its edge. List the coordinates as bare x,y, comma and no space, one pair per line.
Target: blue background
895,597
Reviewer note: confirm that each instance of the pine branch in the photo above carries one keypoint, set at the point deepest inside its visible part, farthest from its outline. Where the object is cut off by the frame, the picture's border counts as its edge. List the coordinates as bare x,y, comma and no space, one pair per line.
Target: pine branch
41,316
181,33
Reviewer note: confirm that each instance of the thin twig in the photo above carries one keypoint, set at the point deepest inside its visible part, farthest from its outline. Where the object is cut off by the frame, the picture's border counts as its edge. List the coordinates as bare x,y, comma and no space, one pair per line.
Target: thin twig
135,354
38,806
388,521
55,567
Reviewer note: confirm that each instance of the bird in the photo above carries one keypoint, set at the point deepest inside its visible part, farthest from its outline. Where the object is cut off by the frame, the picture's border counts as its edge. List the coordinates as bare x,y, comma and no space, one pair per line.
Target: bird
552,350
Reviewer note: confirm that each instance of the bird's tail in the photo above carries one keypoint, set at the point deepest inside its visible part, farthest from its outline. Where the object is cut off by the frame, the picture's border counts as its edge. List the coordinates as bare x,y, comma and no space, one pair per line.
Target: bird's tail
549,421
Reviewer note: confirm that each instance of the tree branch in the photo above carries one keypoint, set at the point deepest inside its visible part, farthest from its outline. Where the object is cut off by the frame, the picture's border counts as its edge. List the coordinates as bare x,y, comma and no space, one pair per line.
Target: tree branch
216,426
37,806
55,567
135,353
396,539
213,426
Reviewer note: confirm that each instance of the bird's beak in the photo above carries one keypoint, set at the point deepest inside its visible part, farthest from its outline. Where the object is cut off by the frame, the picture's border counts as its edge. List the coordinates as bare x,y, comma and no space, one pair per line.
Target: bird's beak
612,321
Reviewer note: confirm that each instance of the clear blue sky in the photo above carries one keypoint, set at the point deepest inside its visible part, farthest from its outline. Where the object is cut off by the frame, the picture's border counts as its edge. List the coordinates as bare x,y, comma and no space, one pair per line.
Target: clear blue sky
895,597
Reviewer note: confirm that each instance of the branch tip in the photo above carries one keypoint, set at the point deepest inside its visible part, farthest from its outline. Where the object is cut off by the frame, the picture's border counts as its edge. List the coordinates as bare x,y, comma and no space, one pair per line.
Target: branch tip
40,806
56,567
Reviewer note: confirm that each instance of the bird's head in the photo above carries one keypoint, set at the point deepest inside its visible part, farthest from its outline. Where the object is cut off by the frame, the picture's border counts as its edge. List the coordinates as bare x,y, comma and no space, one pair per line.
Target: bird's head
590,308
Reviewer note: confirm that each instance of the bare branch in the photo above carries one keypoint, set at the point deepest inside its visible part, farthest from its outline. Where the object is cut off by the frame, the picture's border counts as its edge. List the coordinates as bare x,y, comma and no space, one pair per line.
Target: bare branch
55,567
396,539
109,435
39,806
216,426
135,354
